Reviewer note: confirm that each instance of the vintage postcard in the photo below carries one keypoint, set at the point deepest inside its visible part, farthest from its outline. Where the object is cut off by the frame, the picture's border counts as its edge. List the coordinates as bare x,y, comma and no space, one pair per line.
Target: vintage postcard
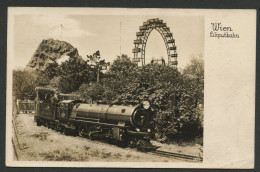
133,88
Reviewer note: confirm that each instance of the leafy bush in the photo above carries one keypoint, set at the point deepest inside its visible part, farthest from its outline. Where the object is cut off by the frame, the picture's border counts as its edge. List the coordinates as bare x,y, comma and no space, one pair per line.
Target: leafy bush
93,91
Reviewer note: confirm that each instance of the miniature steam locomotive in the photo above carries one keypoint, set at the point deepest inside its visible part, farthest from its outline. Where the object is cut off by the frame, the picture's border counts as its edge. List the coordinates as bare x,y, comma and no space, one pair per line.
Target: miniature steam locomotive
126,125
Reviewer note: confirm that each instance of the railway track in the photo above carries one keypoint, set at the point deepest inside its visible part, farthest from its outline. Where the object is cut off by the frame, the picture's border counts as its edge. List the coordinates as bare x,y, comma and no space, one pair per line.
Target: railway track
176,155
156,152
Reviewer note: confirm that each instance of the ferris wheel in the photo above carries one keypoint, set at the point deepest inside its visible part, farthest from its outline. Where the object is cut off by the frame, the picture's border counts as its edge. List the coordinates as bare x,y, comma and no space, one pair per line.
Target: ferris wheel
142,37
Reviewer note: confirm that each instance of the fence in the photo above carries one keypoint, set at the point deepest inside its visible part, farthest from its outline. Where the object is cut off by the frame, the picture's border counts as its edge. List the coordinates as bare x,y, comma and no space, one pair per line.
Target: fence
26,106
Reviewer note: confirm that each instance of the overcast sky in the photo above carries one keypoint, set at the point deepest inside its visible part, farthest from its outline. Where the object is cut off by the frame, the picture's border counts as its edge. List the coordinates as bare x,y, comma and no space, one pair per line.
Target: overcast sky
89,33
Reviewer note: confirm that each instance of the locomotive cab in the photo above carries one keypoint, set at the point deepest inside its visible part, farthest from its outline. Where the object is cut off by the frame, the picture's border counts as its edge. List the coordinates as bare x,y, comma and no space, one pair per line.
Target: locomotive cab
44,108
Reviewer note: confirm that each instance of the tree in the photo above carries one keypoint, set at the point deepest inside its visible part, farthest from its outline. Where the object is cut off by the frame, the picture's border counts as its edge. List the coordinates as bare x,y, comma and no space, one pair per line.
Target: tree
24,83
97,64
72,74
194,74
120,79
186,118
123,67
52,70
93,91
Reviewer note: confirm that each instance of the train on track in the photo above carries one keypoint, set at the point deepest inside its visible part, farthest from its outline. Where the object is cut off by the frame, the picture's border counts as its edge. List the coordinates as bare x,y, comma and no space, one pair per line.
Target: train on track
125,125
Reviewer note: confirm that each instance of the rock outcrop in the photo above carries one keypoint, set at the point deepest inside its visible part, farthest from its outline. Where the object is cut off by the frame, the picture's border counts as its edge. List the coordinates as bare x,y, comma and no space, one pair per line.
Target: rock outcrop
49,51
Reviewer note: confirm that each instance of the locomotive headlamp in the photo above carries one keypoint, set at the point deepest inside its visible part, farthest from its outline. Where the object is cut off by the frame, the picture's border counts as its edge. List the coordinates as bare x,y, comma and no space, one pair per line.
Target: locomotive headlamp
146,105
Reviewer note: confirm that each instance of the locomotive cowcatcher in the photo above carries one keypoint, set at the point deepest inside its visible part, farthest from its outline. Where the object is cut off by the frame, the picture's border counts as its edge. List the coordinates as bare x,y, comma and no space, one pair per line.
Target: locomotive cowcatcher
126,125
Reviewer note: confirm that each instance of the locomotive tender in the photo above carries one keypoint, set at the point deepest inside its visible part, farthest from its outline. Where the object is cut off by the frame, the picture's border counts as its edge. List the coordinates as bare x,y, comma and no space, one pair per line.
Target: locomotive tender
126,125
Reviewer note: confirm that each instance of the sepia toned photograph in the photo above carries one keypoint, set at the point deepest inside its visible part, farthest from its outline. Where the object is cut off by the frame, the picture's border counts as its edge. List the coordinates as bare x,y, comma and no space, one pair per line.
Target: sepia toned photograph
102,88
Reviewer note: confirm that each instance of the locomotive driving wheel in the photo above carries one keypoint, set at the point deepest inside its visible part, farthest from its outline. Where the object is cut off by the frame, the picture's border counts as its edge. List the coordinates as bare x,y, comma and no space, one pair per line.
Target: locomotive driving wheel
91,132
64,130
82,131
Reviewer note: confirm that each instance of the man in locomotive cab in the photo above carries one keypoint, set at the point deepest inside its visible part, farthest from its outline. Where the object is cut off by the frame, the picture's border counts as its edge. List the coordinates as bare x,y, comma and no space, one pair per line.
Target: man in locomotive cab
54,102
55,98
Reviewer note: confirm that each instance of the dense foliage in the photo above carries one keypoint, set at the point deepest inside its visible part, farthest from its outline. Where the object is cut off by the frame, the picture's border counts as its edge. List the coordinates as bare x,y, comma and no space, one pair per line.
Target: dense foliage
177,97
24,83
71,74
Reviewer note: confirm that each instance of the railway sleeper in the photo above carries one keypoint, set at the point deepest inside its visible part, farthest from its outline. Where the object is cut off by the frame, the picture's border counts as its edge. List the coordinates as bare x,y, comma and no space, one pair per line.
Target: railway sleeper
145,145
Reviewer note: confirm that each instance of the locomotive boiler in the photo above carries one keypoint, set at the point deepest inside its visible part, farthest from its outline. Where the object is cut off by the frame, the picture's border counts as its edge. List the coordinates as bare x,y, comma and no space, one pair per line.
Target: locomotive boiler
125,125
